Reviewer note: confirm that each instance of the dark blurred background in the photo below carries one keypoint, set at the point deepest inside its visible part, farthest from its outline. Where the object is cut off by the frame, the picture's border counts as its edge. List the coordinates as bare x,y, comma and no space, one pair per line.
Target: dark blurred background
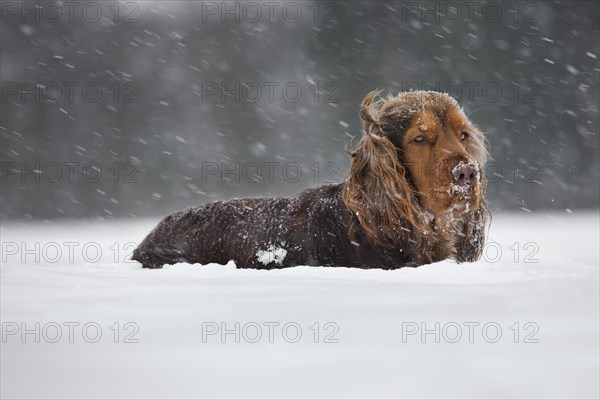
141,108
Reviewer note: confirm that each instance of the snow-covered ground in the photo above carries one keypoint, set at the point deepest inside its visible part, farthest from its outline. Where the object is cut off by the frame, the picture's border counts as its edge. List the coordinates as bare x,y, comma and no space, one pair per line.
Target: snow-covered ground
528,318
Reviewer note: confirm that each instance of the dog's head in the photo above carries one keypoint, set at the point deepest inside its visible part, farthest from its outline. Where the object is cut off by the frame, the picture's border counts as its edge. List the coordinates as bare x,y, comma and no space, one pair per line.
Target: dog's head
418,155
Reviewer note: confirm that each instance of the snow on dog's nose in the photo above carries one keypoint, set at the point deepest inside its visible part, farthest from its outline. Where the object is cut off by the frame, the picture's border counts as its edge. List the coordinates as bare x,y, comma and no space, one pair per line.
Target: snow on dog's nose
464,173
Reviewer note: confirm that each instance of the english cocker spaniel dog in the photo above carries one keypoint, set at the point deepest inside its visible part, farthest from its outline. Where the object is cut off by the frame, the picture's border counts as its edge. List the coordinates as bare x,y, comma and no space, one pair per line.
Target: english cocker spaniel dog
415,195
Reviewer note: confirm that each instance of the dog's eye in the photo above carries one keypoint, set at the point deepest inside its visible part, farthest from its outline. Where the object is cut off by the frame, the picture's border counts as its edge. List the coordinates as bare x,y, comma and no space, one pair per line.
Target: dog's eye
464,135
419,139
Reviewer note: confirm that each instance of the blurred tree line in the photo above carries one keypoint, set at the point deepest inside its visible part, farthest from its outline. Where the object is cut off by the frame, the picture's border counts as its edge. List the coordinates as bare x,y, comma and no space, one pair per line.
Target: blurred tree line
156,106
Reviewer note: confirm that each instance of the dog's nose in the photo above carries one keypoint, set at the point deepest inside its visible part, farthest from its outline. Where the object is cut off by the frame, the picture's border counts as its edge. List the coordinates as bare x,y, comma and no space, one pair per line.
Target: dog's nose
464,174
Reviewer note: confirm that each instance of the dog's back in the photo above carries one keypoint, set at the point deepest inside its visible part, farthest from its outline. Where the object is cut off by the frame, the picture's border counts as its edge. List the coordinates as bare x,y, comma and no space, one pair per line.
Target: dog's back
266,233
215,232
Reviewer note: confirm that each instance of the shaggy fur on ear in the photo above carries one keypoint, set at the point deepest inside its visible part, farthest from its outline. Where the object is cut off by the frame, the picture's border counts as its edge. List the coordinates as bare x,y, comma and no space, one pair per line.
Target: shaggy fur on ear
377,191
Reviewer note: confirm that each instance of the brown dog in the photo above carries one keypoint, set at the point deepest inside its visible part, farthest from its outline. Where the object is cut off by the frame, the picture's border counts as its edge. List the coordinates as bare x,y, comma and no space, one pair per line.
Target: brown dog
415,195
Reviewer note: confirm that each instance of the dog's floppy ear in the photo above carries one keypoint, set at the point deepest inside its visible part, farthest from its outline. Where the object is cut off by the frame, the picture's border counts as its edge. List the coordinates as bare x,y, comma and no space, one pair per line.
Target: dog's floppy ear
377,191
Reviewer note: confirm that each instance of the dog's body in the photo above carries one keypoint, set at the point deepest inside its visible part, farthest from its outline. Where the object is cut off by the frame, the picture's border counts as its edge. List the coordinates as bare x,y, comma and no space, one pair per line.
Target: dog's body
376,219
311,229
266,233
